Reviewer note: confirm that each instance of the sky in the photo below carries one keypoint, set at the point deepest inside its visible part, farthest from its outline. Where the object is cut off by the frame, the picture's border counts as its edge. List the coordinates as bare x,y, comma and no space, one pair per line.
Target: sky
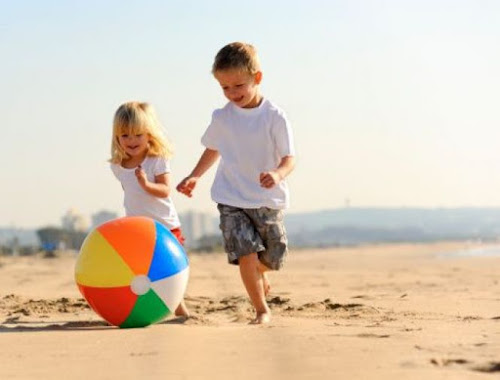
393,103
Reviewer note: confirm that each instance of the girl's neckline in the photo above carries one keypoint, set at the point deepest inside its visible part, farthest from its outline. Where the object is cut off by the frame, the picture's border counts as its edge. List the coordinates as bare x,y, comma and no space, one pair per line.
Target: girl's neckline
134,167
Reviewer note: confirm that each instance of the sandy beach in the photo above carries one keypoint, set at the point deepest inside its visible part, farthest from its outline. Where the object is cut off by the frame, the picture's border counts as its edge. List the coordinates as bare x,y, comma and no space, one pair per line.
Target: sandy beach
405,311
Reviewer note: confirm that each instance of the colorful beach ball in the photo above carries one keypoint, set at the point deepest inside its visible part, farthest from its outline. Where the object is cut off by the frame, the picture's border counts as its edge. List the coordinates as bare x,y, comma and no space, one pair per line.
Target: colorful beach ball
132,271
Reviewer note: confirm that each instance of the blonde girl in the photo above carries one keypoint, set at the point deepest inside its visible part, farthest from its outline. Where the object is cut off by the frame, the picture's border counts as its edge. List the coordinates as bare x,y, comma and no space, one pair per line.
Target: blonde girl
140,160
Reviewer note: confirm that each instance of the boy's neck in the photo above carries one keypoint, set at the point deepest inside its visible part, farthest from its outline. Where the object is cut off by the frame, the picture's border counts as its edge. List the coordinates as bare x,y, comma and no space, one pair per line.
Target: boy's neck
256,102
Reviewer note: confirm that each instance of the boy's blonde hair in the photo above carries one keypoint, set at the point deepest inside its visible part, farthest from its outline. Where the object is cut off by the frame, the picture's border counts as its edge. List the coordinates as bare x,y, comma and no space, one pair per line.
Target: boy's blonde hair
136,118
238,56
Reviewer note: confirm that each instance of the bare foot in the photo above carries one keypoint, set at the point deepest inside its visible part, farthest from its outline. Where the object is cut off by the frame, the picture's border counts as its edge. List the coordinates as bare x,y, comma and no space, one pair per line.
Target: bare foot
266,283
182,310
262,318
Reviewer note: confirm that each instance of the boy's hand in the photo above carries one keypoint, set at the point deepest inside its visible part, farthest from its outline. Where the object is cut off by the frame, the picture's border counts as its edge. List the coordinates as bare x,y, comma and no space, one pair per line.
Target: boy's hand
141,176
269,179
187,185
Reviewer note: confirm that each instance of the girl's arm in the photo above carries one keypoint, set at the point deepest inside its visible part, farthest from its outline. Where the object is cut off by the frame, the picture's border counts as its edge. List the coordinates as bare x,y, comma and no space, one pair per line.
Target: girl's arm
159,188
273,177
207,159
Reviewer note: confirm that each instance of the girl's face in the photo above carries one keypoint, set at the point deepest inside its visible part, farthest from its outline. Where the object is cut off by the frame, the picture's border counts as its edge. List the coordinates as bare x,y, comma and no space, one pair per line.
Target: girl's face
135,144
240,87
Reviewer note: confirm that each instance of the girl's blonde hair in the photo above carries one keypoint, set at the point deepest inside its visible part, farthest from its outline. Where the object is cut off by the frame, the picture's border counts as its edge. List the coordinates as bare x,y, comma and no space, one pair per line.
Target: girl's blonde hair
135,118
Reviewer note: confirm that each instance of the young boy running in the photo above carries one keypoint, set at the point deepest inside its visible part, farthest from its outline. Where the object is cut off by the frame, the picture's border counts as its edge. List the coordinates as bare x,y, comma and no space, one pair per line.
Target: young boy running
253,139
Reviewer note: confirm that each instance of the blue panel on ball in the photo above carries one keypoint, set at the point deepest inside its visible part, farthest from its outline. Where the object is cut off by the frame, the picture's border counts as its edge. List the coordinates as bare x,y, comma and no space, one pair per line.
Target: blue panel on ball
169,256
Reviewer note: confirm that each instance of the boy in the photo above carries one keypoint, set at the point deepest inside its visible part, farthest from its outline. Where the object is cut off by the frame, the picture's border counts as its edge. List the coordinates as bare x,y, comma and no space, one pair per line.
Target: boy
254,141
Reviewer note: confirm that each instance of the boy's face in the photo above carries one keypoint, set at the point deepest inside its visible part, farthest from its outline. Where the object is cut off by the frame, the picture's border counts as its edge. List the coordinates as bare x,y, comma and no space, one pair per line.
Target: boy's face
240,87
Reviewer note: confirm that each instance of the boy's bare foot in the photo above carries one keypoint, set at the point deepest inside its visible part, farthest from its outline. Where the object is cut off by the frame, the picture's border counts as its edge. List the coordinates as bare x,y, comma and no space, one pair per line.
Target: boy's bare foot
182,310
262,318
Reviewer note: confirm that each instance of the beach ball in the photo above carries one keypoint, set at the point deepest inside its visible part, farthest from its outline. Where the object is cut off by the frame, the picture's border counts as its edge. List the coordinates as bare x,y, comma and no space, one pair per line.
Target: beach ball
132,271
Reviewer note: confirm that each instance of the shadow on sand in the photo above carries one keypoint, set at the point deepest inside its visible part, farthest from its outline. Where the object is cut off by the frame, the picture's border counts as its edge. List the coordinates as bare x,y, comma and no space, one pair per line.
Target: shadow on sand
11,326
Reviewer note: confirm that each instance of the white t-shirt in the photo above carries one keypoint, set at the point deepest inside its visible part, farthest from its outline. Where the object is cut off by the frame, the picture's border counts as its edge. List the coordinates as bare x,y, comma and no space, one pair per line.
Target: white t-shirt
138,202
250,141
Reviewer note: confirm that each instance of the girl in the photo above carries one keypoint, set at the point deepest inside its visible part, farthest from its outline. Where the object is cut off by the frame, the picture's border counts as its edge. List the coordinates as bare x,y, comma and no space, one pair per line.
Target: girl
140,156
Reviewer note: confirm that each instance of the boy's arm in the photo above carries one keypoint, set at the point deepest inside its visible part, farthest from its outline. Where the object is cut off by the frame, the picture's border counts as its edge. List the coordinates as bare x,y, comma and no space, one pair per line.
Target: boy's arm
273,177
207,159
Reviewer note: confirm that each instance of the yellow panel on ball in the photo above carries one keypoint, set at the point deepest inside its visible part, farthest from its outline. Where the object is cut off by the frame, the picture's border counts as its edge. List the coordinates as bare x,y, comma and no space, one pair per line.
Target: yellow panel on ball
100,265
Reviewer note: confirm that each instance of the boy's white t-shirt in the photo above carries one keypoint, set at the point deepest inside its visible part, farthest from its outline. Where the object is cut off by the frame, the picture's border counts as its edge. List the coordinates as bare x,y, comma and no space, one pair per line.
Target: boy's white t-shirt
137,201
250,141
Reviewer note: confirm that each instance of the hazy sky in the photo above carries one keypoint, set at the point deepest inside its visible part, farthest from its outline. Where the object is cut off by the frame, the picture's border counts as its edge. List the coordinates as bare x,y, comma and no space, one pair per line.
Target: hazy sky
393,103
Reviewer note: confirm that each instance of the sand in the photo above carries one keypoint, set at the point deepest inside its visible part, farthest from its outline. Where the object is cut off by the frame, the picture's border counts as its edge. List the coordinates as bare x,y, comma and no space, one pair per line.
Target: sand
413,311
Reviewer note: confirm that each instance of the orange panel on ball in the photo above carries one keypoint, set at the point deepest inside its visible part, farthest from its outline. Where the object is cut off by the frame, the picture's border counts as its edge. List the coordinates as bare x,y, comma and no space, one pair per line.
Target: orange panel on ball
134,239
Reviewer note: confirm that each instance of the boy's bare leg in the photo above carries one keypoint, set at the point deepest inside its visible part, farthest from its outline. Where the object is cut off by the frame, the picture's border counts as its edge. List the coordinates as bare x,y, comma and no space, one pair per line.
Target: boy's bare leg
267,285
182,310
254,284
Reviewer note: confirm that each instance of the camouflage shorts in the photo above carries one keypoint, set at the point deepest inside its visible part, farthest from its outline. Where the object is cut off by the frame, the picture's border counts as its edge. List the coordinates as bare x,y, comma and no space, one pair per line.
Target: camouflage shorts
258,230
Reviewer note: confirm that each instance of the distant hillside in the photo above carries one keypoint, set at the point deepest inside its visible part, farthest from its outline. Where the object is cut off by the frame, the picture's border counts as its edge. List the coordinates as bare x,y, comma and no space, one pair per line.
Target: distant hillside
350,226
361,225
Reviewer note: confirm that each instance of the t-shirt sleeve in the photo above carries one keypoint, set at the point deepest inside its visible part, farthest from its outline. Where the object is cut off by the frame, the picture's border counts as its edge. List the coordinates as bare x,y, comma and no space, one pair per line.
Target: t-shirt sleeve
283,136
210,137
115,169
161,166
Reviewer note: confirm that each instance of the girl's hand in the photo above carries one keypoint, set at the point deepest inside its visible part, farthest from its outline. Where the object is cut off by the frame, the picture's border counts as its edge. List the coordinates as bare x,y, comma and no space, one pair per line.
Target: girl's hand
187,185
269,179
141,176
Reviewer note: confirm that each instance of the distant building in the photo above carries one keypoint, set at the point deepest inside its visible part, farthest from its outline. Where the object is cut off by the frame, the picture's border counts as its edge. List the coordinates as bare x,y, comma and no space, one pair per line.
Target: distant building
18,236
74,221
196,225
102,216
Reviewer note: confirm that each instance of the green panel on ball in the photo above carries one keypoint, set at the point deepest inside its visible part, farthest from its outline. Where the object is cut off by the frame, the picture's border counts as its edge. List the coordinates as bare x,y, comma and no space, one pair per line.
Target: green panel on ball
148,309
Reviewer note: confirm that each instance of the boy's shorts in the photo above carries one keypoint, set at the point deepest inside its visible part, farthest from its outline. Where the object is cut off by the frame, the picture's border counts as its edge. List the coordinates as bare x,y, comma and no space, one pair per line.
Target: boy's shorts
259,230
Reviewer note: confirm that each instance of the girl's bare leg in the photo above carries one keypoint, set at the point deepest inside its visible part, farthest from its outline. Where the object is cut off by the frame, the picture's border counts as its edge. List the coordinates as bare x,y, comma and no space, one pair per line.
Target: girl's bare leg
182,310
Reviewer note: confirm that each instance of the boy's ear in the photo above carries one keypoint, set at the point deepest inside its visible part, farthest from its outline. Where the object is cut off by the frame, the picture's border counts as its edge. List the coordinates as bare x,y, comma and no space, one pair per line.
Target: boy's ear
258,77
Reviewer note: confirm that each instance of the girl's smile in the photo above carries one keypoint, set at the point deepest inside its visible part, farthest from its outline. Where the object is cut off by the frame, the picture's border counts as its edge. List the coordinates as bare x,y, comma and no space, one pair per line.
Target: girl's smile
135,145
